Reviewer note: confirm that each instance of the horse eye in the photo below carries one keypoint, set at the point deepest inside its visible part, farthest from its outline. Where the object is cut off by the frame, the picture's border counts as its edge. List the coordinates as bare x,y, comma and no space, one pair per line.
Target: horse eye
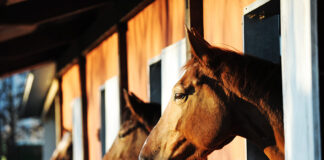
180,96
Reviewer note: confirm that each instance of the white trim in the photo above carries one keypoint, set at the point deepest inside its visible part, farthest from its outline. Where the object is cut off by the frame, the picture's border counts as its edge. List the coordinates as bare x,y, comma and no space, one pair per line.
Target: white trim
154,60
254,6
173,58
29,83
112,109
52,92
300,79
77,133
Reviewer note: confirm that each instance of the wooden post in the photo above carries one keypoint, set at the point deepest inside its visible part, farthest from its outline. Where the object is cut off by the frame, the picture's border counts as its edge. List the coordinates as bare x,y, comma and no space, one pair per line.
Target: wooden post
60,108
194,19
84,101
194,15
299,48
122,57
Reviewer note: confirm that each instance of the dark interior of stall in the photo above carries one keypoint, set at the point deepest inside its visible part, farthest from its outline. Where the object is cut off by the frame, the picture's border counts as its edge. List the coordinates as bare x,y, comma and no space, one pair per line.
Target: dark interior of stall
262,40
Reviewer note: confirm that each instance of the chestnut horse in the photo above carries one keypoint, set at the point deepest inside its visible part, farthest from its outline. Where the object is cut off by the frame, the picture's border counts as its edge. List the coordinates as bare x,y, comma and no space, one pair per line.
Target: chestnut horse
221,95
135,129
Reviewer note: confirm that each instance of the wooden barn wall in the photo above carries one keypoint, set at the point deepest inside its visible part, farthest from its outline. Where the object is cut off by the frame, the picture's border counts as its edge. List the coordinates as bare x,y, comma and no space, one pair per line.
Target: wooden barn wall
101,65
223,27
157,26
70,90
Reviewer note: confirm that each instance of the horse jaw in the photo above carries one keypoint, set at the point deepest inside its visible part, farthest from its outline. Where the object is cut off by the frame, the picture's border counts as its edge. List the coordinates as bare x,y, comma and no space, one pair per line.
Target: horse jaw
172,138
155,146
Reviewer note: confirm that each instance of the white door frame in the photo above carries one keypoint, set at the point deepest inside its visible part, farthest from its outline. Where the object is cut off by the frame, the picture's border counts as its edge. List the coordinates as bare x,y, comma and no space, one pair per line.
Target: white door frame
299,50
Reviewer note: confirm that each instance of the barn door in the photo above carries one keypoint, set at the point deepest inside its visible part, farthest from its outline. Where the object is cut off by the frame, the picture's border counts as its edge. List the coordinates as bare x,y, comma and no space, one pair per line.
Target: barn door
261,23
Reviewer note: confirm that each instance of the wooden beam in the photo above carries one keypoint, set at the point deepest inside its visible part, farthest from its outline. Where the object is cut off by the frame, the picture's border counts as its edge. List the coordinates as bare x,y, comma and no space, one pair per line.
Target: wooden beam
105,25
45,37
58,118
135,10
123,70
60,95
38,11
84,100
50,97
11,66
103,21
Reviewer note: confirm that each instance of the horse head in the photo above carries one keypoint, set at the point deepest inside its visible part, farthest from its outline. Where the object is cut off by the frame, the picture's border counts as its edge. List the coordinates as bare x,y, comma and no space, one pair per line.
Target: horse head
209,106
133,132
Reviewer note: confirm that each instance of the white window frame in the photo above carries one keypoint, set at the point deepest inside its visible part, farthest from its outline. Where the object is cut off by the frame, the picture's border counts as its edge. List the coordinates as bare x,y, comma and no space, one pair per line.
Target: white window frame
173,58
112,111
299,50
77,131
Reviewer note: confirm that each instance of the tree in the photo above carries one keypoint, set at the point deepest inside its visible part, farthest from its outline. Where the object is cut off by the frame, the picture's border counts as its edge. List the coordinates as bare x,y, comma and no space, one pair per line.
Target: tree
11,93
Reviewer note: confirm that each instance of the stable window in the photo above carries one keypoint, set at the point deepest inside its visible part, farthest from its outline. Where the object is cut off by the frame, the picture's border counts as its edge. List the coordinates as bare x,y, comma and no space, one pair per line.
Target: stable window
155,80
110,113
261,39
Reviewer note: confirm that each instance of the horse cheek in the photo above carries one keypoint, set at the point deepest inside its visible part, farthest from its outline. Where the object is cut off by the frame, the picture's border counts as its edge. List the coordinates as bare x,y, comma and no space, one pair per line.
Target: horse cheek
199,131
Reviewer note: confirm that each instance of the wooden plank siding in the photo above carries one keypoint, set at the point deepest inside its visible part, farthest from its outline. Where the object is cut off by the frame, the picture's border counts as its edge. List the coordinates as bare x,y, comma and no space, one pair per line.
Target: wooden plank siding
223,27
157,26
101,65
71,89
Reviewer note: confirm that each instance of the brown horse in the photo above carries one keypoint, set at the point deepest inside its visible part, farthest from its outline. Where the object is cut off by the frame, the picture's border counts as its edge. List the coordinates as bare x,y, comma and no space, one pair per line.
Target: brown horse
221,95
135,130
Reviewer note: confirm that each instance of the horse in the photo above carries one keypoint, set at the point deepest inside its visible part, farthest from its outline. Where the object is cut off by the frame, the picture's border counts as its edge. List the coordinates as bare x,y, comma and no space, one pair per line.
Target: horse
134,131
222,94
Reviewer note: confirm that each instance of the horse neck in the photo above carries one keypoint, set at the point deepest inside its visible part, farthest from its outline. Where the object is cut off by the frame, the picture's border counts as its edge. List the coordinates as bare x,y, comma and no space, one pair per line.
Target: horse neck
259,83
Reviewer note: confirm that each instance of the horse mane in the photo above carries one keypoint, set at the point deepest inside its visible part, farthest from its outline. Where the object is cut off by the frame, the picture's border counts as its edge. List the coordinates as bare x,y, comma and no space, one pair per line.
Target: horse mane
252,79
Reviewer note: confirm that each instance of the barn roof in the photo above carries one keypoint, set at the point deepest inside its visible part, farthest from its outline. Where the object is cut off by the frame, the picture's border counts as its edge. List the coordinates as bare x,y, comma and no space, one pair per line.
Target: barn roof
35,31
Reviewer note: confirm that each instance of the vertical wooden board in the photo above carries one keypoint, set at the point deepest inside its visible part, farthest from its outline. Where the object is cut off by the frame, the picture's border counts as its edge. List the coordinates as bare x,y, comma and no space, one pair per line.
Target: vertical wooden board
101,65
176,21
223,22
70,90
145,39
223,27
157,26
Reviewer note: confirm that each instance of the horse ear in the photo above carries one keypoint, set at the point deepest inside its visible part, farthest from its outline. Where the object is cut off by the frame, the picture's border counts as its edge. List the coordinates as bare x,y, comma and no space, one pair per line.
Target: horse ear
127,98
133,103
200,48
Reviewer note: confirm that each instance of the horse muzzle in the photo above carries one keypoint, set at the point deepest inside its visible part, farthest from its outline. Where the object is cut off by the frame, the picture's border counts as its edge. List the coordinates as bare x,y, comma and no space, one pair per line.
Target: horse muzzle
142,158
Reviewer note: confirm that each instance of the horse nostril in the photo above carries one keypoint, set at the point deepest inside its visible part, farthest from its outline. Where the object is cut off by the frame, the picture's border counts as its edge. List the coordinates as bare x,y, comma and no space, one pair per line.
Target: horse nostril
142,158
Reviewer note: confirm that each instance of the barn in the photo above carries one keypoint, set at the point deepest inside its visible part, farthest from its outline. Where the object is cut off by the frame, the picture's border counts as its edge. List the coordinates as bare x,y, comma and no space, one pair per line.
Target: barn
82,54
